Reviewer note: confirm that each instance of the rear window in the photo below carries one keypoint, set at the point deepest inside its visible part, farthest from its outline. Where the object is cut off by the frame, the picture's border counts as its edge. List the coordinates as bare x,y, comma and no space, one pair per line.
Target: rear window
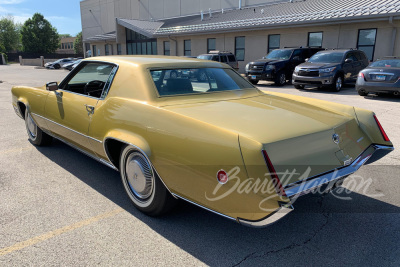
392,63
171,82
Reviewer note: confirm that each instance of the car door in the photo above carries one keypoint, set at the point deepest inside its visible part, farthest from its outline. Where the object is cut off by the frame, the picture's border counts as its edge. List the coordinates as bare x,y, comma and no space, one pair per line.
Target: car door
70,108
349,67
296,59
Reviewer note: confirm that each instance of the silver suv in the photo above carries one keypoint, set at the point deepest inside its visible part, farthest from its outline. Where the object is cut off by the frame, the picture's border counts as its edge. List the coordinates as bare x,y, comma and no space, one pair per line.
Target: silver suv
223,57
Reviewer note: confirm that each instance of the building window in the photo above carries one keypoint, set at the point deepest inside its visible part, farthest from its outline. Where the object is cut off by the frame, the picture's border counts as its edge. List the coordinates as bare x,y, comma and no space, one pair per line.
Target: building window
94,51
366,42
315,39
138,44
274,42
187,48
211,44
107,49
239,48
167,48
119,49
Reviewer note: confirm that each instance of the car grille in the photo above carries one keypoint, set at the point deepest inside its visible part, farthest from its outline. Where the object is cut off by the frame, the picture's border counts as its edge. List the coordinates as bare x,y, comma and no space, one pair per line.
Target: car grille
256,67
309,73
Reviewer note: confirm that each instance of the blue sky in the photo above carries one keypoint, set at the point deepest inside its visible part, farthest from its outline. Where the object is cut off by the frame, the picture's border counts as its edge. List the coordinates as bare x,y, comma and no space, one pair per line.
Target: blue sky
62,14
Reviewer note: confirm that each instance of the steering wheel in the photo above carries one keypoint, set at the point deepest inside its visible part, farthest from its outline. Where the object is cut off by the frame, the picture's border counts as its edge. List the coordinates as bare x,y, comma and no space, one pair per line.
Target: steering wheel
99,84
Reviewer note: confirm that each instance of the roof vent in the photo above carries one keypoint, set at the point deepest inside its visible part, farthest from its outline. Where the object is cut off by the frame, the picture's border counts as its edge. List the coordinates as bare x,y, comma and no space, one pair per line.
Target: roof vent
209,11
262,11
222,11
202,15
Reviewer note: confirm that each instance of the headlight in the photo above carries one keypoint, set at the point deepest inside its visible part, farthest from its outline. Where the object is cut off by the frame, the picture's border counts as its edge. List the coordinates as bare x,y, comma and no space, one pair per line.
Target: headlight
270,67
247,67
296,69
327,70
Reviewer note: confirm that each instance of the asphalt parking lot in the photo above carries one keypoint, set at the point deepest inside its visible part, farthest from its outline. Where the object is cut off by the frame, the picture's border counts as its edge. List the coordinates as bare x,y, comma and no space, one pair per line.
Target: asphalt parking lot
61,208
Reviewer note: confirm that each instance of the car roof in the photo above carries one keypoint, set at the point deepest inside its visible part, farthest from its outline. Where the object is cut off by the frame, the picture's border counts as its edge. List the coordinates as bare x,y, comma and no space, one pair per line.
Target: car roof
155,61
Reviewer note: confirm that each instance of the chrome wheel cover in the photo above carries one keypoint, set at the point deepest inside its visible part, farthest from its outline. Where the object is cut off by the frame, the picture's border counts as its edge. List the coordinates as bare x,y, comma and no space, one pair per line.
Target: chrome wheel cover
139,176
31,127
338,84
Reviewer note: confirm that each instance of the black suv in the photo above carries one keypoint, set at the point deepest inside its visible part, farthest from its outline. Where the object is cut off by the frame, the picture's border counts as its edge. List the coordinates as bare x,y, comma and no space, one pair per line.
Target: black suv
278,65
224,57
330,68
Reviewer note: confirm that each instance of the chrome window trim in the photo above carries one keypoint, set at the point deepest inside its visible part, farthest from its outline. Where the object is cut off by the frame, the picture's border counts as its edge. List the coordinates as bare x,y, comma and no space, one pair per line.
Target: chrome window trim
84,135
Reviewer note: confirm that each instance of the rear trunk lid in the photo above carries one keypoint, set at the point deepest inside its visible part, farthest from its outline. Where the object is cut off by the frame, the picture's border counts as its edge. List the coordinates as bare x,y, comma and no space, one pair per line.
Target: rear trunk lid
297,136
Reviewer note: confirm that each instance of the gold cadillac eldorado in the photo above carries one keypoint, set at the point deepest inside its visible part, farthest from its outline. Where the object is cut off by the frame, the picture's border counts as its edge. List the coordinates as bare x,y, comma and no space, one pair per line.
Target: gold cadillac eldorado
181,128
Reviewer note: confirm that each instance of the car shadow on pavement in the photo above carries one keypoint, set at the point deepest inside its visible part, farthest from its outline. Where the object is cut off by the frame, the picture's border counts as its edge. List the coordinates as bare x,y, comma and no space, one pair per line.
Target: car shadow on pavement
383,97
322,229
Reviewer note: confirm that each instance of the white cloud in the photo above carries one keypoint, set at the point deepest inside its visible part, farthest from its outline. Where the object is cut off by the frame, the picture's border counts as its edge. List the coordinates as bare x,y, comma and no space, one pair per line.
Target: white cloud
11,2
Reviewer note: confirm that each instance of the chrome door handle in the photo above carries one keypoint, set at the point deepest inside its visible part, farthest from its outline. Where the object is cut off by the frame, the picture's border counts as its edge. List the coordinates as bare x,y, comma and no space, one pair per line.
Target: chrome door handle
89,109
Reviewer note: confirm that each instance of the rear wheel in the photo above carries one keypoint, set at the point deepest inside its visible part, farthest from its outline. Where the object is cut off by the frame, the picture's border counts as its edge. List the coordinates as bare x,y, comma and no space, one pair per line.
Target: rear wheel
143,186
299,86
254,81
35,134
280,79
362,93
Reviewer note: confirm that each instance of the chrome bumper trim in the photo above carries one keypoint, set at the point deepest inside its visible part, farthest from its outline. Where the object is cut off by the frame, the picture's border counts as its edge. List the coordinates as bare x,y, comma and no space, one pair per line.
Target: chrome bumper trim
308,185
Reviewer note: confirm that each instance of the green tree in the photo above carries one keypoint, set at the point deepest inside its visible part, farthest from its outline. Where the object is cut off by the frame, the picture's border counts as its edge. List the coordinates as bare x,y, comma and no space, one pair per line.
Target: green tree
65,35
39,36
9,34
78,44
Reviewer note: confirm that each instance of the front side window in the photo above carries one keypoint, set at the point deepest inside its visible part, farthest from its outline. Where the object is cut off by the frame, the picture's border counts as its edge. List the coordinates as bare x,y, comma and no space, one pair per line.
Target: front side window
274,42
315,39
366,42
211,44
187,48
171,82
240,48
90,79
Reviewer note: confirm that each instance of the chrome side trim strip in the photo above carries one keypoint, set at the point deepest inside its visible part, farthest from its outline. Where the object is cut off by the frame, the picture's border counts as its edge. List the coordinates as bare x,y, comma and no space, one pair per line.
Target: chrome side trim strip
198,205
285,209
84,135
83,151
141,151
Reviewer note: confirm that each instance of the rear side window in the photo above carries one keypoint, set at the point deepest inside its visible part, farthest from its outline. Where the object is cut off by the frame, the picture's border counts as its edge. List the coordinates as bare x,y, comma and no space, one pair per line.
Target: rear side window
223,59
352,56
231,58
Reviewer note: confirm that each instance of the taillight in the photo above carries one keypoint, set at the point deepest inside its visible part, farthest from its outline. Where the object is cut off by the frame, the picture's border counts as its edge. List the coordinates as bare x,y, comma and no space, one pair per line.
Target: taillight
274,176
361,75
384,135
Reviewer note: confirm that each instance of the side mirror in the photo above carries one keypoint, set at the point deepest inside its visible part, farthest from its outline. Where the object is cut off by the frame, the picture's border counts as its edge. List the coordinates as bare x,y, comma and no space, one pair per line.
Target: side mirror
348,60
53,86
306,60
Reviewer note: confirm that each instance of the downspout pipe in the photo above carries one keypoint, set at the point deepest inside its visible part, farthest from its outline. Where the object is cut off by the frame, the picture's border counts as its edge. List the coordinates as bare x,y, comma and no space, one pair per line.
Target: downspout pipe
240,4
394,35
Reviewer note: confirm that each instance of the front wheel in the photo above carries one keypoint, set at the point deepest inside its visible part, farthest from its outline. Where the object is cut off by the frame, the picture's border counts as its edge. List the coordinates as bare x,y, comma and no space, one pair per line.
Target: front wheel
35,134
337,83
280,79
143,186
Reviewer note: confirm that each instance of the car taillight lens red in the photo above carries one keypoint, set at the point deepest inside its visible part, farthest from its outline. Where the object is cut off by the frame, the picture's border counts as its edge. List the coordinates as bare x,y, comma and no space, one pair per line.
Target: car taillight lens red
274,176
361,75
384,135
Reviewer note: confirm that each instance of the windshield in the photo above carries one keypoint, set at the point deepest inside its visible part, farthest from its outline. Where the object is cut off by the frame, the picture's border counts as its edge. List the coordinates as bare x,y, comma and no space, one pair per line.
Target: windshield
392,63
279,54
197,81
327,57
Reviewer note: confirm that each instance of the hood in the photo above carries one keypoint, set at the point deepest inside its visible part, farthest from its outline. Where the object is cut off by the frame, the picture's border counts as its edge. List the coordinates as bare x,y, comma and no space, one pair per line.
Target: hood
317,65
266,61
264,118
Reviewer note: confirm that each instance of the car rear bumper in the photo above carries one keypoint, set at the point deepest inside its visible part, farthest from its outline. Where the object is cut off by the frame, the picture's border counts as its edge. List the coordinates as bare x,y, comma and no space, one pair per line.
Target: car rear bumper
306,80
378,87
327,180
